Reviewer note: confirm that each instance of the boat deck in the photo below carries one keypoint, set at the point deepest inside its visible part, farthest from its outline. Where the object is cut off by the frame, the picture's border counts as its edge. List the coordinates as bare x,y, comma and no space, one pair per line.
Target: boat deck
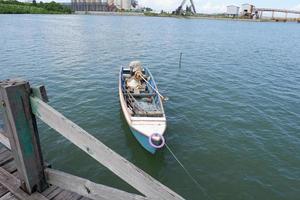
8,181
143,102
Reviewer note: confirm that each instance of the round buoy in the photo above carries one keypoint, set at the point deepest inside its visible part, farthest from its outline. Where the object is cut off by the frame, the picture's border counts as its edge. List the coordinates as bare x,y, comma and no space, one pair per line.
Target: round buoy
156,140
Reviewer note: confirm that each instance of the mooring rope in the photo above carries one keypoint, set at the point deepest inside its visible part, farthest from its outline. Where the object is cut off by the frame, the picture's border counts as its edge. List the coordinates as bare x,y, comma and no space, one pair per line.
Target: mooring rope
187,172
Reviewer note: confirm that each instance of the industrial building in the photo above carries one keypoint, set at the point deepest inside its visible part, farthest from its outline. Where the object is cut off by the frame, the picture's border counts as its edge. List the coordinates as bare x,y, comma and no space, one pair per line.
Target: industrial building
247,9
100,5
122,4
233,10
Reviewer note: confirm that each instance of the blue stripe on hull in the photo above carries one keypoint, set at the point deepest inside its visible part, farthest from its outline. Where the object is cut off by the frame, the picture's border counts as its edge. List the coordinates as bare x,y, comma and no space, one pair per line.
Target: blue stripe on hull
143,140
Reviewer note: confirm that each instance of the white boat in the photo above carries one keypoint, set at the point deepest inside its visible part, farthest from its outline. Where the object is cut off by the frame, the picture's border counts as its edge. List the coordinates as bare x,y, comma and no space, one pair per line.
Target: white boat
142,106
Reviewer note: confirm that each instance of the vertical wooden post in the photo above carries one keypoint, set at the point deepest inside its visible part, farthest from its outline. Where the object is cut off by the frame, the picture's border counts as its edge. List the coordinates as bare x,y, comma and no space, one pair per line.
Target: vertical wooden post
22,132
180,57
1,115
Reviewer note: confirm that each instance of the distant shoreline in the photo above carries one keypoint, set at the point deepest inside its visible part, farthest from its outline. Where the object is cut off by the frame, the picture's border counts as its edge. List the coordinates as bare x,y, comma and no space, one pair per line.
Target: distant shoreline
212,17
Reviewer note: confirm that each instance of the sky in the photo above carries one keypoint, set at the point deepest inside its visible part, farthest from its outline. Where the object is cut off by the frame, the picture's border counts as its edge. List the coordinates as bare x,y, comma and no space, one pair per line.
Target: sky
217,6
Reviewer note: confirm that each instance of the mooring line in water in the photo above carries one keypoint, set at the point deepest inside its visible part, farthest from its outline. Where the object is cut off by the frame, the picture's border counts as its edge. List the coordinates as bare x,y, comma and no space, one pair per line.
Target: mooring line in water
187,172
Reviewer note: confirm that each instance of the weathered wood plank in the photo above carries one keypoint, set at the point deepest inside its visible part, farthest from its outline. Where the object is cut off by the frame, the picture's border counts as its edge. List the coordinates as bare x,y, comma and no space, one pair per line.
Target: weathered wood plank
4,140
67,195
21,129
2,149
8,196
104,155
3,190
12,184
5,157
10,166
54,193
87,188
49,190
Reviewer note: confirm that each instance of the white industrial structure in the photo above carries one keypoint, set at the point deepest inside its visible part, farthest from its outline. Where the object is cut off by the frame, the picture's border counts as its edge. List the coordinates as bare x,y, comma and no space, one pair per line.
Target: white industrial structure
122,4
233,10
247,9
110,2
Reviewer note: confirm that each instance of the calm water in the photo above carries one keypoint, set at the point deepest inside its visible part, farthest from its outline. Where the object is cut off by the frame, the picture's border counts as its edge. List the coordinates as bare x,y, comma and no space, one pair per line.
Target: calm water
234,108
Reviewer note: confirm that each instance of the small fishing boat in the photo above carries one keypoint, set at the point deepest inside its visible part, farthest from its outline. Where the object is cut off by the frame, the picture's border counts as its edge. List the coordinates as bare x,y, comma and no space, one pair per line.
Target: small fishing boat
142,106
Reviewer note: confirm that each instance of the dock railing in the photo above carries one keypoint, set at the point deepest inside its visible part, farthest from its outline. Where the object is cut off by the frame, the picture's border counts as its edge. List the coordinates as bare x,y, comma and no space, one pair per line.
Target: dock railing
21,105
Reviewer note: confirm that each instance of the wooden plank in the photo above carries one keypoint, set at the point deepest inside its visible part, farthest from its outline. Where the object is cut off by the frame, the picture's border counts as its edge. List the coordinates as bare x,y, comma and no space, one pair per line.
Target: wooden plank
134,176
3,190
11,183
54,193
67,195
10,166
8,196
84,198
5,157
87,188
2,149
49,190
4,140
21,129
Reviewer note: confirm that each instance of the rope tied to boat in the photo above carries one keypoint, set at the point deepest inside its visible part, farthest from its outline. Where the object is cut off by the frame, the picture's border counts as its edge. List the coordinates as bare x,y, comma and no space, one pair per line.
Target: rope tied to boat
187,172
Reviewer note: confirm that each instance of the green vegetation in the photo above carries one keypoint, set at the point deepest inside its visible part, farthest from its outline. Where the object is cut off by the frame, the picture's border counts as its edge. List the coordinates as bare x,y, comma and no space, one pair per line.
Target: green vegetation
15,7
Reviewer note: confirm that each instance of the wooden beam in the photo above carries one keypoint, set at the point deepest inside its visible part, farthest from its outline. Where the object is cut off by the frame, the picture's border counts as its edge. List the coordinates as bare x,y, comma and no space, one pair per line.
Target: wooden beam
4,140
21,130
40,92
87,188
134,176
12,184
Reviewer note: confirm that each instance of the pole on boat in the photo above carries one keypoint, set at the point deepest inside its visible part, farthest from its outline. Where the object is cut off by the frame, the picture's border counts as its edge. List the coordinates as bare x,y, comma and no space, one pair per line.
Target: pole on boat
161,96
180,59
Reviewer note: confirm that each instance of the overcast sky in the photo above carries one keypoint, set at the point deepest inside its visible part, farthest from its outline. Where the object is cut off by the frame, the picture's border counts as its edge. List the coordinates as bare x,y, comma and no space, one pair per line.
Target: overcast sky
213,6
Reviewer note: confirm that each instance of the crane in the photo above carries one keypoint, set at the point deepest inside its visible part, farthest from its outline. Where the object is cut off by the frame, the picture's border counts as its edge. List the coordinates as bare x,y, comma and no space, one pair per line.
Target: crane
180,11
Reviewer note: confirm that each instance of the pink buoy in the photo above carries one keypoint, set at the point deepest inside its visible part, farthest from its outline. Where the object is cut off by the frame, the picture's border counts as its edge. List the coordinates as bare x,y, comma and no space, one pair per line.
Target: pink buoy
157,141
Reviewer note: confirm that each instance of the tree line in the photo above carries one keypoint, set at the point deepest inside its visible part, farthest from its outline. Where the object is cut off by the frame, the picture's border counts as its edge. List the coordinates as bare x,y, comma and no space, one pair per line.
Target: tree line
16,7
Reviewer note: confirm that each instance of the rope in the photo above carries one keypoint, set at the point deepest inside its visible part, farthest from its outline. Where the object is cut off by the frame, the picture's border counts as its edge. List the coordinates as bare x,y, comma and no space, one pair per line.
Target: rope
188,173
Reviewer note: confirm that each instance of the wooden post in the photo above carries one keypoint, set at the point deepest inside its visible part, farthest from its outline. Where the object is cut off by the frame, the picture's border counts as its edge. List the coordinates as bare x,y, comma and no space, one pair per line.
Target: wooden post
180,59
22,132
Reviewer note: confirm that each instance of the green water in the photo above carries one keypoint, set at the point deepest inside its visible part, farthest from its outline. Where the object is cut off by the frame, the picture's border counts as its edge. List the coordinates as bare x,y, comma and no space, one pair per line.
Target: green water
234,109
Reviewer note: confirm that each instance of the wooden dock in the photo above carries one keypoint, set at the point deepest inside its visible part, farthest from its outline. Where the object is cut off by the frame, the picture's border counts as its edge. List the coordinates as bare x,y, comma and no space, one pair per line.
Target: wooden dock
23,172
9,183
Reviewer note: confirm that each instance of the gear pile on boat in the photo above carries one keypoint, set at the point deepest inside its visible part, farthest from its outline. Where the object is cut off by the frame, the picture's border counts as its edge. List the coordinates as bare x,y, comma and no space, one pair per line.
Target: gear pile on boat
142,106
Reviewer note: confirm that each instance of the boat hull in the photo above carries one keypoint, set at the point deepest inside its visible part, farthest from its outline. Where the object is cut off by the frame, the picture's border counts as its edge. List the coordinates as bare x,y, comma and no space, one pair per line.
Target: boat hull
143,140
